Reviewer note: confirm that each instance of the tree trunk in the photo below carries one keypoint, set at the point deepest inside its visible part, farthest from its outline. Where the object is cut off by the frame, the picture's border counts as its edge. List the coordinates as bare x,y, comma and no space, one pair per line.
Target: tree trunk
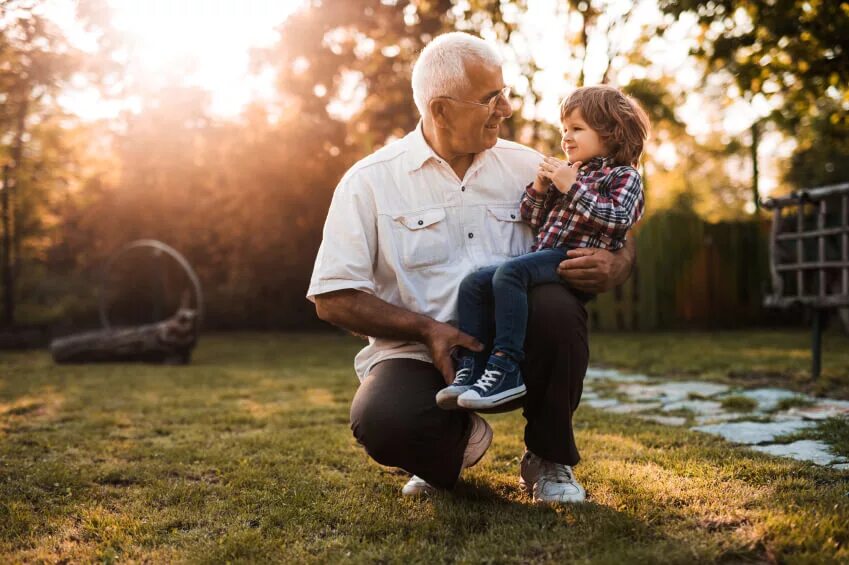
170,341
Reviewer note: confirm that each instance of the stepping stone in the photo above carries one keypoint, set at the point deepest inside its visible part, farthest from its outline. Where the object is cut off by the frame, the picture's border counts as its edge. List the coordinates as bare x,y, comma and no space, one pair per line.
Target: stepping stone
822,410
802,450
594,373
673,391
694,406
641,392
769,398
602,403
634,407
665,420
721,417
754,432
841,466
613,375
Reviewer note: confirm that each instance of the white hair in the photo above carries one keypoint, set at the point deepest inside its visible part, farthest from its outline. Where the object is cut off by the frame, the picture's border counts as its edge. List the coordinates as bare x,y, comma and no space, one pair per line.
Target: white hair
440,70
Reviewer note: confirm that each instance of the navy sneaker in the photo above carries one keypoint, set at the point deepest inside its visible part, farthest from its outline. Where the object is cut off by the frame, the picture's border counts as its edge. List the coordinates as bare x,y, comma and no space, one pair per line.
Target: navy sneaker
500,383
464,378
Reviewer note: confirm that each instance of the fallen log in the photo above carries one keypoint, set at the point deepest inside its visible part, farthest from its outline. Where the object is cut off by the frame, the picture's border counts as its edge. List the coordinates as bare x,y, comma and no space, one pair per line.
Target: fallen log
170,341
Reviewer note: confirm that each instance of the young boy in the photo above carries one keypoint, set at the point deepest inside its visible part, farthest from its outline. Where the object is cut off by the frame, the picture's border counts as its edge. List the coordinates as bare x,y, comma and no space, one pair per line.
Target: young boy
590,201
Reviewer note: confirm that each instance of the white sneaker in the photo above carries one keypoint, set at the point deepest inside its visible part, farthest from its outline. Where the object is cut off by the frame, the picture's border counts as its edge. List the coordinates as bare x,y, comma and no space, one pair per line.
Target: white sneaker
479,440
547,481
417,486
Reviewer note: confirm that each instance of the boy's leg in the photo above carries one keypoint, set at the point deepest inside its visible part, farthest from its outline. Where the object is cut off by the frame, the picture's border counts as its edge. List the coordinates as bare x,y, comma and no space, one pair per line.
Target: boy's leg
510,286
556,357
475,305
395,417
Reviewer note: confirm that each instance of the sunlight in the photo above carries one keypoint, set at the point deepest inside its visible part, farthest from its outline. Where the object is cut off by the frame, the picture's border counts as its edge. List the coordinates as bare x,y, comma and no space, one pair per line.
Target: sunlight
209,41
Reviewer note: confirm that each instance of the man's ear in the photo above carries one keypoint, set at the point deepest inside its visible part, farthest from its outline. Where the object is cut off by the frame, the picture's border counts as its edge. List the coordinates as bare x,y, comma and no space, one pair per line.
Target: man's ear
438,108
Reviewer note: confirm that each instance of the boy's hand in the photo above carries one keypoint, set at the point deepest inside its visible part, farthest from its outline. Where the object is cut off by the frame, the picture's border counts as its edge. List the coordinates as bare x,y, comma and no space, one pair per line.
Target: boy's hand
561,173
541,182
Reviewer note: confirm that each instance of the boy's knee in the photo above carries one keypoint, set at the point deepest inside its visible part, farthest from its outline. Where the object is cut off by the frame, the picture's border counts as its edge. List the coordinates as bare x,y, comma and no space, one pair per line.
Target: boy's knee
506,273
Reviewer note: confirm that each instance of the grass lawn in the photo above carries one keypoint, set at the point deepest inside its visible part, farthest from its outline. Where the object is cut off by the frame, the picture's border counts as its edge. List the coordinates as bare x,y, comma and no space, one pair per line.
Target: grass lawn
745,358
246,455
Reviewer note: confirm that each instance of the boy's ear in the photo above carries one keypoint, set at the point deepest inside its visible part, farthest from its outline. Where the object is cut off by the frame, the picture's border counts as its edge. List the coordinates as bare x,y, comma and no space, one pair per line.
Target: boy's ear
439,112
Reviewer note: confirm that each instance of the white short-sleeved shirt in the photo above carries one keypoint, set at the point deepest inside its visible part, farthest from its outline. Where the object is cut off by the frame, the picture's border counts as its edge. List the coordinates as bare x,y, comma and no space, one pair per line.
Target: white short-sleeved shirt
403,227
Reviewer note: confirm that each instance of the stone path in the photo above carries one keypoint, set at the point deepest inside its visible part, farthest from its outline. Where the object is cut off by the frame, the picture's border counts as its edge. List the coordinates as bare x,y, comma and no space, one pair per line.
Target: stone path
759,418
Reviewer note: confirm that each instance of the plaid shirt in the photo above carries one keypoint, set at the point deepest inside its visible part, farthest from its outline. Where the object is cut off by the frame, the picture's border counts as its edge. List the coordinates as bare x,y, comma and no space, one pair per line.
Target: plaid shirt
597,211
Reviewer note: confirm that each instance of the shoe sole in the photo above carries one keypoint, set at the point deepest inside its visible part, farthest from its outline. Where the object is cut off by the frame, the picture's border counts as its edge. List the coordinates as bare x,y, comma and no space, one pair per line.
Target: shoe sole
447,400
492,401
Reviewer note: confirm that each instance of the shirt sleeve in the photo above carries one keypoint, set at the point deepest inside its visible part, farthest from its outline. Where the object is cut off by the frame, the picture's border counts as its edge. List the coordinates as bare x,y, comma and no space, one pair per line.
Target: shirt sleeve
612,215
348,247
534,207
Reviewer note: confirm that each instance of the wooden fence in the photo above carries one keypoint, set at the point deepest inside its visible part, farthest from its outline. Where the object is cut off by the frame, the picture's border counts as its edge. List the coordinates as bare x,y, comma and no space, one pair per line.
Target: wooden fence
691,275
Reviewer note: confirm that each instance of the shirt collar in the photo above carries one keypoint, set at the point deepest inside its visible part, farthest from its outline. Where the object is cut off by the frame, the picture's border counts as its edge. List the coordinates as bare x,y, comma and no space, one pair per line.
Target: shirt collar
597,163
419,151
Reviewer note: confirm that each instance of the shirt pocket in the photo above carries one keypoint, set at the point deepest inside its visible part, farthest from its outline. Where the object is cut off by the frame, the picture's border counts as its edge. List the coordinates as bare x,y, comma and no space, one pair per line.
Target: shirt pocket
507,232
423,238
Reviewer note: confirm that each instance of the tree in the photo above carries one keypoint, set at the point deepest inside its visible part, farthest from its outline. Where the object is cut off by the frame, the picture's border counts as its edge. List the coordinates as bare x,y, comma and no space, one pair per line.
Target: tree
792,53
35,60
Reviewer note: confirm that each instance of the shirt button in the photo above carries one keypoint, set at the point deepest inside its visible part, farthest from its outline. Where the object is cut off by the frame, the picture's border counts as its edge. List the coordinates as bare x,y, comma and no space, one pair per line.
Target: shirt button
462,189
512,216
421,222
471,235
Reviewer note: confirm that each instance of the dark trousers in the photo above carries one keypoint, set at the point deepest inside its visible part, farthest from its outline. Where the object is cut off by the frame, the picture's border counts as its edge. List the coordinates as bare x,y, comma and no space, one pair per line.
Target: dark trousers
395,417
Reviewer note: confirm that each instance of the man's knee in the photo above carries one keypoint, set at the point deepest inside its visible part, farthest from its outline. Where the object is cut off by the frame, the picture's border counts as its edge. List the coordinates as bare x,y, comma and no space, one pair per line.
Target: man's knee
379,426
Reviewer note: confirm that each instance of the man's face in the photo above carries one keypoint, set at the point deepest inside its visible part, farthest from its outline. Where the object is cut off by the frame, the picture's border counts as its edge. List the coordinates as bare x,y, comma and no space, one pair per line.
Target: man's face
474,128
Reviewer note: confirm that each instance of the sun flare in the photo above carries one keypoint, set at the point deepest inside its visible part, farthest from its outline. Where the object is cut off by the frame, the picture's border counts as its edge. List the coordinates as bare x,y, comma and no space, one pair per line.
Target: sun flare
208,41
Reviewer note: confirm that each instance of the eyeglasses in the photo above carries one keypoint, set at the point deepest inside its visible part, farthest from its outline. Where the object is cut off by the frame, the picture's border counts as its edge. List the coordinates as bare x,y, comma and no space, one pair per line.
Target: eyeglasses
491,104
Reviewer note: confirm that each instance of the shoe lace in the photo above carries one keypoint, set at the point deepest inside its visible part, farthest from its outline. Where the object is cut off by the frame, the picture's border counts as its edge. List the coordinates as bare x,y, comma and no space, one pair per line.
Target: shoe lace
488,378
461,375
557,472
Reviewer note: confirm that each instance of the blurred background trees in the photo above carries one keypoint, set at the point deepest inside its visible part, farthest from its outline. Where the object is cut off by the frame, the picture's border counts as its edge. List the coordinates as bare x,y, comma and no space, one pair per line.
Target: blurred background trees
243,197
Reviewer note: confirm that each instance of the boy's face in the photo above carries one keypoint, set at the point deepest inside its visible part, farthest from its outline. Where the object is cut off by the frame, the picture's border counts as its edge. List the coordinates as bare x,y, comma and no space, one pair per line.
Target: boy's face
580,142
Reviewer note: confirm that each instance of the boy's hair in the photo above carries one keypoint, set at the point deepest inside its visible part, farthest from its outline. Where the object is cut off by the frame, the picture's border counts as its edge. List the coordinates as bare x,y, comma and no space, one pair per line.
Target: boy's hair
620,122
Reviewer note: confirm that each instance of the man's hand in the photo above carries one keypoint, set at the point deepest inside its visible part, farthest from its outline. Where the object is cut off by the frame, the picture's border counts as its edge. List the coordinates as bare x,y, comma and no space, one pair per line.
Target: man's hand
595,270
440,340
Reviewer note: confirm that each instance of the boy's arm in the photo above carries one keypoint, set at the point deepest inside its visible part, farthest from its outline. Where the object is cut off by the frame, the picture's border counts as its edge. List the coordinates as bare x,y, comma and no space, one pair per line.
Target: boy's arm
532,207
611,215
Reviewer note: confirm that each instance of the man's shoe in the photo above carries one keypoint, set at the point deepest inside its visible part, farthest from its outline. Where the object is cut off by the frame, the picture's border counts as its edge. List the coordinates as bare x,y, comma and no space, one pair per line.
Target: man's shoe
479,440
417,486
464,378
500,383
547,481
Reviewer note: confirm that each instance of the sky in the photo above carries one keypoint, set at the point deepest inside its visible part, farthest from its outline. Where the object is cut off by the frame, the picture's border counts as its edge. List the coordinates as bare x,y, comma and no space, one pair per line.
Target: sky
213,39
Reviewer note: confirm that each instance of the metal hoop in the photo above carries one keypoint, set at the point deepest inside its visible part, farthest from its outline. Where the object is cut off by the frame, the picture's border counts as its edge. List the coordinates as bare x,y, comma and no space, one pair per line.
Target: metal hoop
159,246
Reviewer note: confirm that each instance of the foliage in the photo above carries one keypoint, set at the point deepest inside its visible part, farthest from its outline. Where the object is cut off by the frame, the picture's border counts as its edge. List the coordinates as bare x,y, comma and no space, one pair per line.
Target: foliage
793,53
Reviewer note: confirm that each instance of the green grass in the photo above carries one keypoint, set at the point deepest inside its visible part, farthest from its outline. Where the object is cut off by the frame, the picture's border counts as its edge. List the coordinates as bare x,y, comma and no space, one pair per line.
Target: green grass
744,358
246,456
739,404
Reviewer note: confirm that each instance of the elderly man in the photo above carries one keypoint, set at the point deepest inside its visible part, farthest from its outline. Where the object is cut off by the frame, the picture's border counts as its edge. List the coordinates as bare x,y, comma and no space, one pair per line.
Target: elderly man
406,224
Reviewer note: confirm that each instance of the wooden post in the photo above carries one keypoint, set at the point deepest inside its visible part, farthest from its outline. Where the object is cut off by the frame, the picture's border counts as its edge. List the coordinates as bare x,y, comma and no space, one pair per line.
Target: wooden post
816,342
756,197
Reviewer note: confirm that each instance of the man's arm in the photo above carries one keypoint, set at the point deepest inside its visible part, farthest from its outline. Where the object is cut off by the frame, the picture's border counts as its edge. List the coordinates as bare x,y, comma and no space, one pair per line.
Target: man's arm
365,314
598,270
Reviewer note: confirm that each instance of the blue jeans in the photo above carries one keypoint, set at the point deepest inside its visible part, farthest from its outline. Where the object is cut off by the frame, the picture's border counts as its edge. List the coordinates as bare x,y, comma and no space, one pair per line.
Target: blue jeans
499,294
